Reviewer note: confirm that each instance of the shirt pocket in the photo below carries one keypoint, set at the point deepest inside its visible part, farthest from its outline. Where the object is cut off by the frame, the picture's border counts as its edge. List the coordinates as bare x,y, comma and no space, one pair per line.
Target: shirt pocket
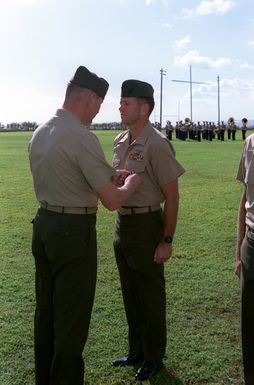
137,166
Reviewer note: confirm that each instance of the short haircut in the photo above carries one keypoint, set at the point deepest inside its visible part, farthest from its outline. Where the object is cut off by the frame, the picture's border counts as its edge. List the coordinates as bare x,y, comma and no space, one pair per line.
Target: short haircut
149,101
73,90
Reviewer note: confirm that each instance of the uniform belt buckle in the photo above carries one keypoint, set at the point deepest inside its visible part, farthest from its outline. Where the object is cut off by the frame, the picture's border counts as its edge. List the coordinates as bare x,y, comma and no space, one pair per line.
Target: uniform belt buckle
137,210
69,210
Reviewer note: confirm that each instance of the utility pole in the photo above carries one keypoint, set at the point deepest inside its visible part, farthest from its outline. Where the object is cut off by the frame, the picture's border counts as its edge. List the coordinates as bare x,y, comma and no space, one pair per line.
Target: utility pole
190,94
163,73
218,80
190,82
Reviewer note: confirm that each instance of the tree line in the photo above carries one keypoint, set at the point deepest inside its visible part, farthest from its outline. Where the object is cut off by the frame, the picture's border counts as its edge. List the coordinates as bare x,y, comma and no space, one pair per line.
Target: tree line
31,126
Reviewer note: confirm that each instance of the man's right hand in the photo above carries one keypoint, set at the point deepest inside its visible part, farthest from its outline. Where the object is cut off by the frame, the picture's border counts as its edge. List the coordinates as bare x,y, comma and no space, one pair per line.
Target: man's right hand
133,181
121,176
112,197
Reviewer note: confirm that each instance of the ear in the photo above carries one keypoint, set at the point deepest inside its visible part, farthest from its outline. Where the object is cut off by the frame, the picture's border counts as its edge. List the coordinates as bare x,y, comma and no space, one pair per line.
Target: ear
89,99
144,111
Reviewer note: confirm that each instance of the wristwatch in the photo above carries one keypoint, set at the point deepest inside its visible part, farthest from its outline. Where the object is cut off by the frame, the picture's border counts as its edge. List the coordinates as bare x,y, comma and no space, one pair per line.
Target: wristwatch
168,239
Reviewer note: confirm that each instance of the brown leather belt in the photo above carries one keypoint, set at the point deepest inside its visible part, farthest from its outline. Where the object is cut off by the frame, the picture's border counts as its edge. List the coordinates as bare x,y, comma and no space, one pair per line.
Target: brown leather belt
137,210
68,210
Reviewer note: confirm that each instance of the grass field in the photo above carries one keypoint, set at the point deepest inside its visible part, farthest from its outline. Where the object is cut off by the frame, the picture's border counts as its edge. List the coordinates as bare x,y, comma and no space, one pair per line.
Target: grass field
202,291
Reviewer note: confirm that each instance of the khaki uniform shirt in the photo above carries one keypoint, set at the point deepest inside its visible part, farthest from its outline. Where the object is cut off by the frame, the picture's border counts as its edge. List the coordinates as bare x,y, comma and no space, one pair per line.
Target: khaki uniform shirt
245,174
152,156
67,162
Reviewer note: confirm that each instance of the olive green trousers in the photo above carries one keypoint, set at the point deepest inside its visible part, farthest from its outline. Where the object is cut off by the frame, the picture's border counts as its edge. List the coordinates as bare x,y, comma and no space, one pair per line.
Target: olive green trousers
64,248
142,282
247,308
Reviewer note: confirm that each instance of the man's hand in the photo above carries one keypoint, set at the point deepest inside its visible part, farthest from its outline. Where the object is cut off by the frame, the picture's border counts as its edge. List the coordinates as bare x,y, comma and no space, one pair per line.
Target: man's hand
238,267
132,180
121,175
163,252
112,196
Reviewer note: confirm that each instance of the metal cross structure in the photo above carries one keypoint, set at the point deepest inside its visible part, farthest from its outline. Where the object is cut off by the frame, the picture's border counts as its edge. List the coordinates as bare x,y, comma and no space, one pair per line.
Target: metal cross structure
190,83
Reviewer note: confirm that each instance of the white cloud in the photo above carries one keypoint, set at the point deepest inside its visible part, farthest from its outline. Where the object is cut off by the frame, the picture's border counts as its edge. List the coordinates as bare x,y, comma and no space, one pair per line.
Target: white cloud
227,86
28,105
163,2
193,57
235,97
250,43
234,94
18,2
35,107
182,43
243,64
166,25
236,85
188,13
208,7
247,66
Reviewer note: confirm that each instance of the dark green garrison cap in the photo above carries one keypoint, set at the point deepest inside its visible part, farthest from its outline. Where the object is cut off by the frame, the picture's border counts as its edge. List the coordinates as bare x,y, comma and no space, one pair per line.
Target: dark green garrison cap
86,79
136,88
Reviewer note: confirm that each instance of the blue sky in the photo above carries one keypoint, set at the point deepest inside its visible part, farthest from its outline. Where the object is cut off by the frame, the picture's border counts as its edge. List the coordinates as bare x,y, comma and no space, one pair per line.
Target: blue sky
42,42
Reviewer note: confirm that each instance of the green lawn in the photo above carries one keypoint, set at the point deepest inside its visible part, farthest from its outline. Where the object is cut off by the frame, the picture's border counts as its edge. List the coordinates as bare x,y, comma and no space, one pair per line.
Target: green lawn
202,291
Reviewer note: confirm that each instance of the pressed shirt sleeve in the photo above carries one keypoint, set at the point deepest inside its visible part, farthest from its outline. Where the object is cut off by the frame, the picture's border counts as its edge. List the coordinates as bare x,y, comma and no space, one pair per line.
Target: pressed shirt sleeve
93,163
165,167
245,174
246,165
241,169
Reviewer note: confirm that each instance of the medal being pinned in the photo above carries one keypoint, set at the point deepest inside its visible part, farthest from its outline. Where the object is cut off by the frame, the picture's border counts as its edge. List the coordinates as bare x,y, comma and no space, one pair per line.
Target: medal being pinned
136,156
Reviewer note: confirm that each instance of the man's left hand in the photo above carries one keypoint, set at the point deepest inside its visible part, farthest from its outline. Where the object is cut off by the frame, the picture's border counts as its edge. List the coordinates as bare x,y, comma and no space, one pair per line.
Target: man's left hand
163,252
238,268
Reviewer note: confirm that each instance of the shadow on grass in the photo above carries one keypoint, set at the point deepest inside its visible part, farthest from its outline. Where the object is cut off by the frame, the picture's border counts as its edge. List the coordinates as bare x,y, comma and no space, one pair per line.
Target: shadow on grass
165,377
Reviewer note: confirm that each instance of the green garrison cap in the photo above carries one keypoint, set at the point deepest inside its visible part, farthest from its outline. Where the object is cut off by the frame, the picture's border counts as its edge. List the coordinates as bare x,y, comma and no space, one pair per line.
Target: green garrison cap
86,79
136,88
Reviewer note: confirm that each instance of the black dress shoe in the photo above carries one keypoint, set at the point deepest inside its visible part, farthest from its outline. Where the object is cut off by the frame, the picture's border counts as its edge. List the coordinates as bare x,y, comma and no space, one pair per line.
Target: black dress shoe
131,359
147,370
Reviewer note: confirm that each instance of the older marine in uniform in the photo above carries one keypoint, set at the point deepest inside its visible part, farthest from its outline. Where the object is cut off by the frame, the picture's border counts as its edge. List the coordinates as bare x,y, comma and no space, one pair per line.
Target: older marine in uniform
144,231
69,173
244,265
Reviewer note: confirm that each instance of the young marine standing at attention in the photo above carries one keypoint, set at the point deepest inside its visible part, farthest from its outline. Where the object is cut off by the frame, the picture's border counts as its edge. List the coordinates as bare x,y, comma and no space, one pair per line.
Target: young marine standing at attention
144,232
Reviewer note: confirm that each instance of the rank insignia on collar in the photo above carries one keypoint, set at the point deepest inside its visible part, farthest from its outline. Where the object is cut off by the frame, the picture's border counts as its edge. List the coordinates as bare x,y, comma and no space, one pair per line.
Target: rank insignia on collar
136,156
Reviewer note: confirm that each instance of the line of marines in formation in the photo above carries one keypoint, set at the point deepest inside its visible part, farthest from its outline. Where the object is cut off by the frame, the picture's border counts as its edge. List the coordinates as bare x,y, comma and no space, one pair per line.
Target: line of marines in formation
207,131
